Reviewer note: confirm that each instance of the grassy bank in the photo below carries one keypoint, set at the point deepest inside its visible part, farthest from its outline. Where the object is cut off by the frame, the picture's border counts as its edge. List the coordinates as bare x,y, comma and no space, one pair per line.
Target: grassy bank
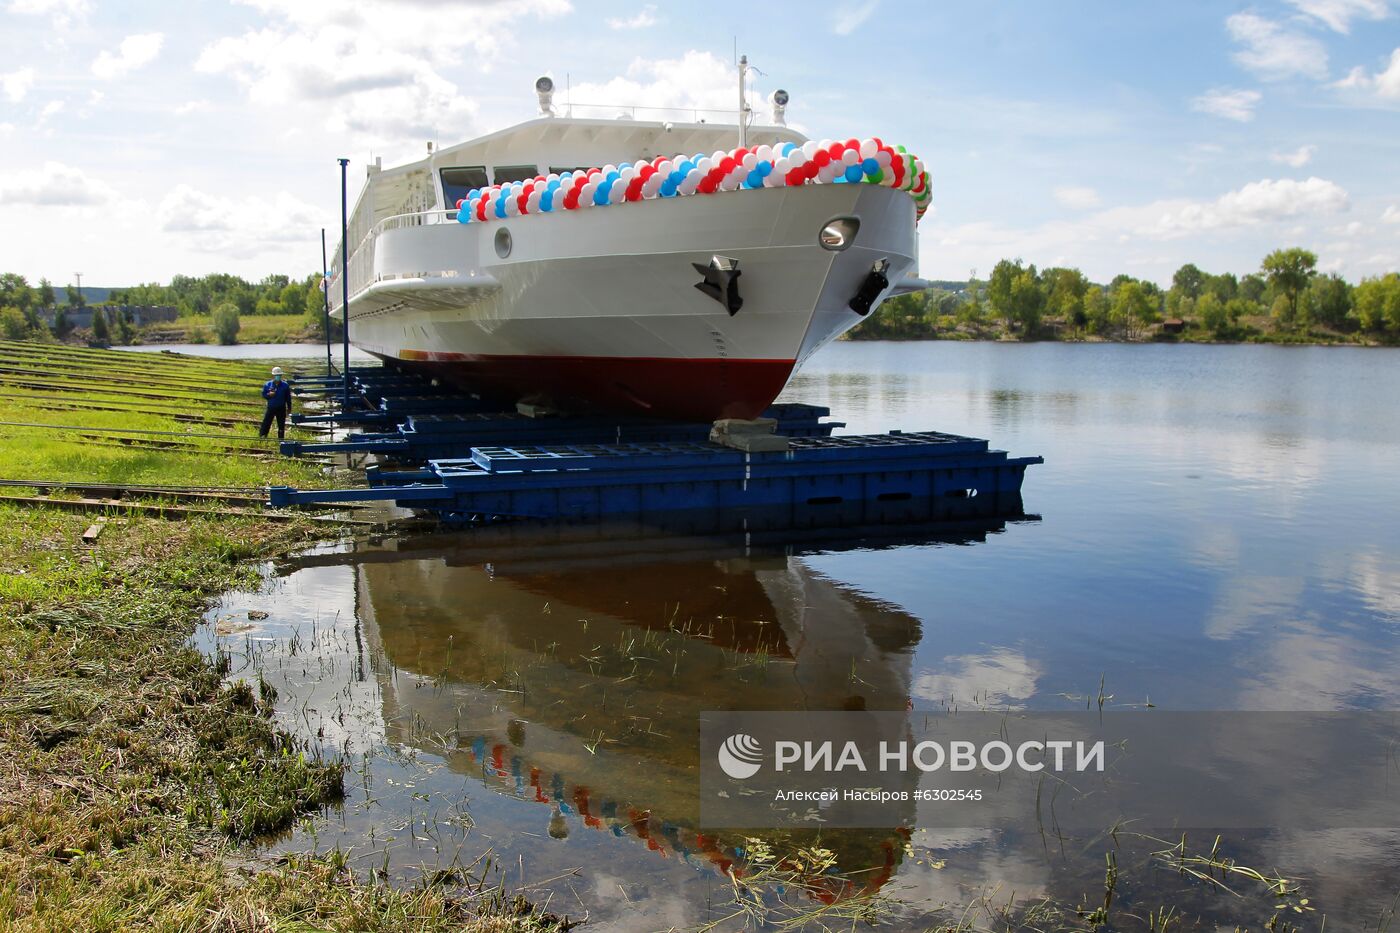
132,779
252,328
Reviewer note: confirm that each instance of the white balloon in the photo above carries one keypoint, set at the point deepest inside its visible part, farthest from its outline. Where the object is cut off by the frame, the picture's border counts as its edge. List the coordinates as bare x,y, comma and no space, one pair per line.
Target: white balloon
717,156
850,157
867,149
764,153
665,167
749,162
809,149
825,144
883,157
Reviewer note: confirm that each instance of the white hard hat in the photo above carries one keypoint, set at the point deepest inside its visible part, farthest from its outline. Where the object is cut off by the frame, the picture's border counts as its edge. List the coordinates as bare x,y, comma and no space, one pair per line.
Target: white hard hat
277,370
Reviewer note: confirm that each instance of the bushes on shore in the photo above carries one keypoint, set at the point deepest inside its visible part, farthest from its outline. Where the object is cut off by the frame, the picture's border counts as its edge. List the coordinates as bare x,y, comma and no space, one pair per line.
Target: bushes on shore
1287,300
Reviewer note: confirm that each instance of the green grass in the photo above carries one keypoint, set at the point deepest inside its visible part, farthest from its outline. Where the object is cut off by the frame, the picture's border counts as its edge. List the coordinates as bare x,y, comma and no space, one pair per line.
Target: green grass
109,403
253,328
131,776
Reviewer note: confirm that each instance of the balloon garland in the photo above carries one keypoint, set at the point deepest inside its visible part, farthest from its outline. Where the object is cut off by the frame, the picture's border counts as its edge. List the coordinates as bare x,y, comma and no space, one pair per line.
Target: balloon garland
854,161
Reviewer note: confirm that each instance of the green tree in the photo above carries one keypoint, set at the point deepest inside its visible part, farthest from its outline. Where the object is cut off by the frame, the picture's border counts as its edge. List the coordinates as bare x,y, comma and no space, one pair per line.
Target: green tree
1288,272
1133,305
1014,293
226,323
1214,316
101,335
1252,288
44,295
1329,300
1064,294
75,297
62,326
15,291
1188,281
13,326
1096,310
1377,303
1223,286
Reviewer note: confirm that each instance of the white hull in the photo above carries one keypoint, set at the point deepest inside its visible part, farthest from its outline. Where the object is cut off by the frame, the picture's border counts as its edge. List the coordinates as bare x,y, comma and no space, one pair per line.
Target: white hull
615,286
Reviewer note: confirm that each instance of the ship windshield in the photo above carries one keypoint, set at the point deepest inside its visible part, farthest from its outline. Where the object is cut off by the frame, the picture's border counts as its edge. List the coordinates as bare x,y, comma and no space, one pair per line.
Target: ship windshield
508,173
458,181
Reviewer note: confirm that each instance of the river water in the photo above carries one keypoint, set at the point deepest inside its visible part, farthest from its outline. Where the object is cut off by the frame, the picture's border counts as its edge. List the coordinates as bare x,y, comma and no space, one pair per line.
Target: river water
1214,528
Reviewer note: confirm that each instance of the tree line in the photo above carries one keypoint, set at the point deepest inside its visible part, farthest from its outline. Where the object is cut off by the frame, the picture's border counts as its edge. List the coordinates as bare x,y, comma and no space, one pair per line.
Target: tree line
224,298
1286,299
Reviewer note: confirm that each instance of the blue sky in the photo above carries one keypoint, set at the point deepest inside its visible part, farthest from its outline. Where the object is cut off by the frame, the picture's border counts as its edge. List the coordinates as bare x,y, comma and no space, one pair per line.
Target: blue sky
142,139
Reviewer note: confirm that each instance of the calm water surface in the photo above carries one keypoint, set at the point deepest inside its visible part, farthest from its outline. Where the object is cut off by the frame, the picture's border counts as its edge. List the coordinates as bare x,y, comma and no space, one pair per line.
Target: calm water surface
1220,530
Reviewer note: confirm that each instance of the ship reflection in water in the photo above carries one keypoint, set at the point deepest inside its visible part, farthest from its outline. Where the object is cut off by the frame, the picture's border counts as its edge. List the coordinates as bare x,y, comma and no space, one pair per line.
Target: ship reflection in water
565,676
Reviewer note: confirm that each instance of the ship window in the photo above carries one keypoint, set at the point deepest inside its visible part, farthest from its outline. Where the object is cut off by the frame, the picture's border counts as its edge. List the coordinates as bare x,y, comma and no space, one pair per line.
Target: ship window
457,182
559,170
508,173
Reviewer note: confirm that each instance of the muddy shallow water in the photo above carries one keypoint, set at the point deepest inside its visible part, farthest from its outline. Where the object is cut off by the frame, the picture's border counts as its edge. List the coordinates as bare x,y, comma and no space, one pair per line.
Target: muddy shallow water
1217,530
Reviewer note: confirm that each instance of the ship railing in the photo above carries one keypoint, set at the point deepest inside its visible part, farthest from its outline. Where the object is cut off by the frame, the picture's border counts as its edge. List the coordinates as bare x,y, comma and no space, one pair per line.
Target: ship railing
361,263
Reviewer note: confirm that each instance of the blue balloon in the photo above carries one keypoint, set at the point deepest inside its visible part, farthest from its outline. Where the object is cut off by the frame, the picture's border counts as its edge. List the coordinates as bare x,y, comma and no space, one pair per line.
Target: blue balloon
870,166
668,188
613,176
755,179
600,196
788,147
501,206
854,172
464,215
547,200
764,168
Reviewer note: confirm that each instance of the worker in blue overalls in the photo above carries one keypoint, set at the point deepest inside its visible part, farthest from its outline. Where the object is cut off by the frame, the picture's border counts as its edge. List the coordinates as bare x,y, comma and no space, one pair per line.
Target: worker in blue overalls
278,394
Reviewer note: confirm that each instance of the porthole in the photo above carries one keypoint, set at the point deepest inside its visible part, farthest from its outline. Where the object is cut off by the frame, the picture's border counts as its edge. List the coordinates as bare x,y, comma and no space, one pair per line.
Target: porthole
503,242
839,233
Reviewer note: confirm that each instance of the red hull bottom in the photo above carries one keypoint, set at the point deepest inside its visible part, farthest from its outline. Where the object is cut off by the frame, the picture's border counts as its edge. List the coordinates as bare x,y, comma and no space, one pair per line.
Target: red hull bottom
673,389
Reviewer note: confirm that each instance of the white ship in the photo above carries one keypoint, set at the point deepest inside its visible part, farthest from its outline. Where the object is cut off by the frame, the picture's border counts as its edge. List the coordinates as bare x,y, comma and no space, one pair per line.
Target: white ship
584,263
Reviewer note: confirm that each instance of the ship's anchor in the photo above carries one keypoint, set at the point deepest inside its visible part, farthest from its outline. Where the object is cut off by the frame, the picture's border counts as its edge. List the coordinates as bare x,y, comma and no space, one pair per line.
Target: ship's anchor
875,283
721,282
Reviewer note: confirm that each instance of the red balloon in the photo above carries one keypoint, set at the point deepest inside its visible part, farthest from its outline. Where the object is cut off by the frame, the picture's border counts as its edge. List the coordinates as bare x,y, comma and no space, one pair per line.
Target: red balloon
794,177
853,144
726,164
522,203
811,169
460,202
822,159
481,209
634,189
738,154
571,199
835,150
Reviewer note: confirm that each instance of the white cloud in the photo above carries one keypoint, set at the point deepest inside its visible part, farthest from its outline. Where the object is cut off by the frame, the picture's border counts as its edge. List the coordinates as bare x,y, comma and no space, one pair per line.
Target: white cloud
16,84
1338,14
1295,159
192,106
1001,678
374,69
52,109
1391,215
1076,197
54,185
1386,84
850,19
238,227
644,17
134,52
1267,200
1229,103
695,81
1273,52
62,12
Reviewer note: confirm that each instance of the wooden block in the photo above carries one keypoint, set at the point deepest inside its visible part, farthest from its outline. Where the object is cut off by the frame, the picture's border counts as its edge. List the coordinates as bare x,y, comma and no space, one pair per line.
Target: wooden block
90,536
